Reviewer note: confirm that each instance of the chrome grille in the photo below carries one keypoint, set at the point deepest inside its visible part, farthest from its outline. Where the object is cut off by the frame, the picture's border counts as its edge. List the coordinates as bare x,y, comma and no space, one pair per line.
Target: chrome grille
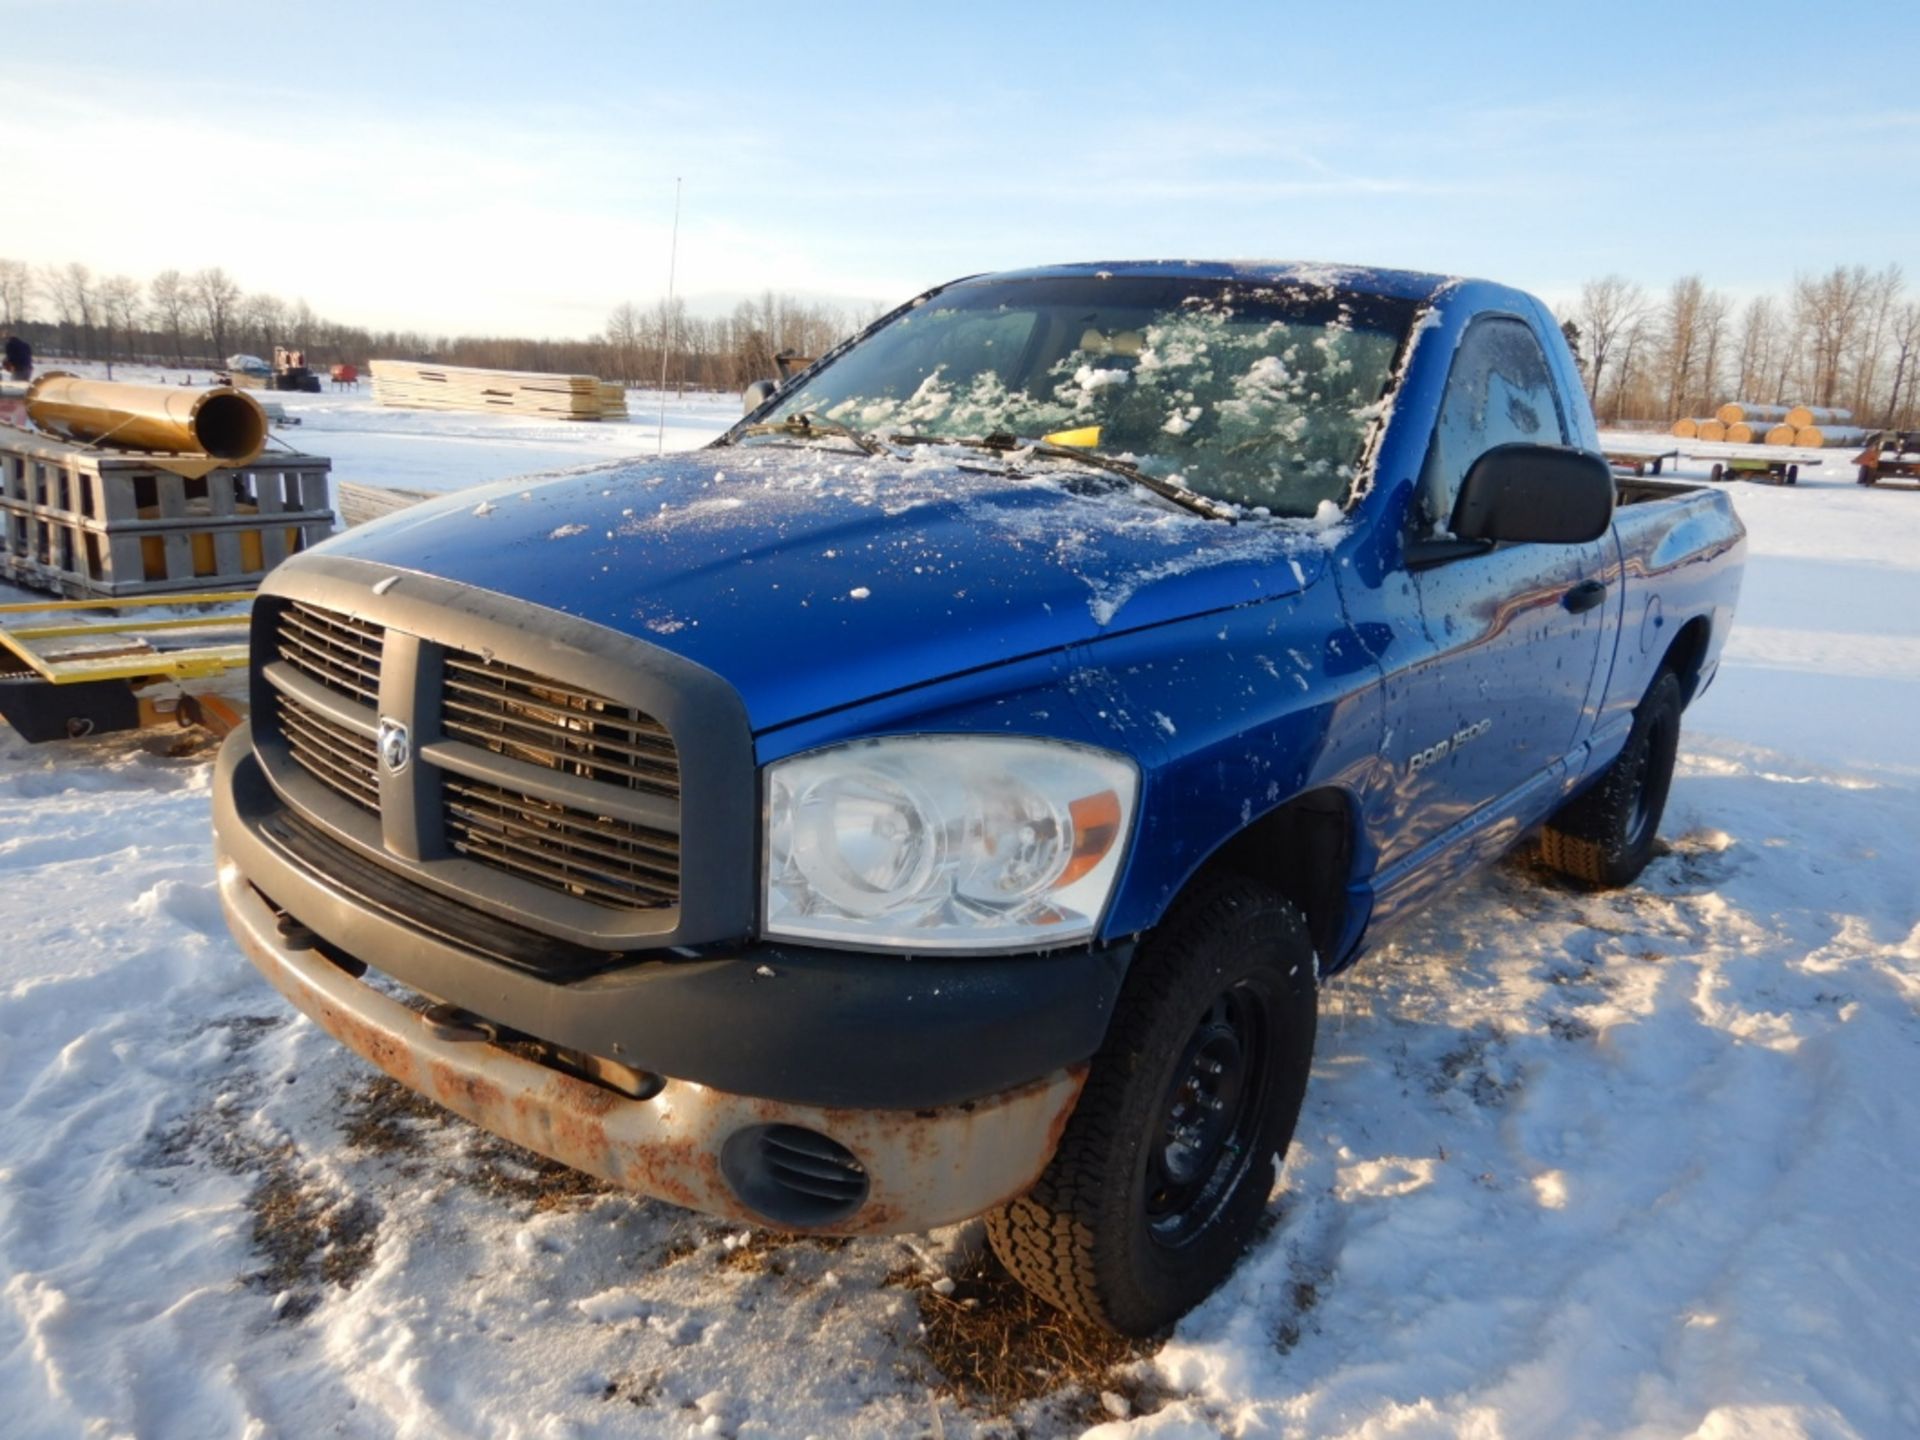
607,861
544,722
338,758
336,650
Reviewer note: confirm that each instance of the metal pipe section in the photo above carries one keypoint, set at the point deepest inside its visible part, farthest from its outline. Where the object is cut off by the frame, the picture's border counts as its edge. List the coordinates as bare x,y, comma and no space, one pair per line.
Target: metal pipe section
220,422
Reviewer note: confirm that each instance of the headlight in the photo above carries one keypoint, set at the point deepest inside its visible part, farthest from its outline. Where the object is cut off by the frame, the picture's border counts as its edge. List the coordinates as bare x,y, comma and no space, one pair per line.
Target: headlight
945,842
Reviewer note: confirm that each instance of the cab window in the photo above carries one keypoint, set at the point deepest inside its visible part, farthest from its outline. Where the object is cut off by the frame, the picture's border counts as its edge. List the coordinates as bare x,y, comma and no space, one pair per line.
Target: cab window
1499,391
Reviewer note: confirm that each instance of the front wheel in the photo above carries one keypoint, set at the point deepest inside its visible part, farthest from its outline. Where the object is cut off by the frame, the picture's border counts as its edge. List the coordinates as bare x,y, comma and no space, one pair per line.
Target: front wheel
1164,1169
1604,837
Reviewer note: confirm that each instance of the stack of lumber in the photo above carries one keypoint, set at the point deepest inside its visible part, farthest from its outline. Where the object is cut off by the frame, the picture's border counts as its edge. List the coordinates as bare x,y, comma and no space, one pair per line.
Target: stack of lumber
407,385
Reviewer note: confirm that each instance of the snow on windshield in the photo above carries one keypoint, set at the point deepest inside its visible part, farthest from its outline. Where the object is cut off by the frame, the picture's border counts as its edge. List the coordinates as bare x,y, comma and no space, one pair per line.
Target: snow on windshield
1250,396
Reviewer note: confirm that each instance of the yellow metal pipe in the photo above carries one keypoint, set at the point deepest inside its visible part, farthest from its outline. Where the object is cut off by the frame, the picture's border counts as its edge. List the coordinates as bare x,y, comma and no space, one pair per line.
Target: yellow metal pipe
225,424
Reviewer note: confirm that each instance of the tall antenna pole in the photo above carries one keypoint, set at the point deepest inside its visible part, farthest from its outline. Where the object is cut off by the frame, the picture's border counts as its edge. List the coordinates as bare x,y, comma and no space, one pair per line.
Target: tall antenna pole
666,321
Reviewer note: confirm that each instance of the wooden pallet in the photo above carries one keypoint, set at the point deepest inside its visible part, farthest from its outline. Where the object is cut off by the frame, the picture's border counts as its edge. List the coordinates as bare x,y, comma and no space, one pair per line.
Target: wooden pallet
85,522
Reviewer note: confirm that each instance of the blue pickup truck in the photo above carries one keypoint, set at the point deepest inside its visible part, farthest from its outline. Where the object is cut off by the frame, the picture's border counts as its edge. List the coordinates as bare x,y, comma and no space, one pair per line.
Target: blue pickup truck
945,794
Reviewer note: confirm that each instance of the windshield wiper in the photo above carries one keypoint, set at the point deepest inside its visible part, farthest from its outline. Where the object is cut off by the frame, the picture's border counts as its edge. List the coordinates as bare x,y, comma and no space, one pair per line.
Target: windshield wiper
810,427
1004,444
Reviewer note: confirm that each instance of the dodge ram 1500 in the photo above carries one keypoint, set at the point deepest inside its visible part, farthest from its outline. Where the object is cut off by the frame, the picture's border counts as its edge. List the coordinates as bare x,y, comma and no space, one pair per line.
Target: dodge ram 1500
946,793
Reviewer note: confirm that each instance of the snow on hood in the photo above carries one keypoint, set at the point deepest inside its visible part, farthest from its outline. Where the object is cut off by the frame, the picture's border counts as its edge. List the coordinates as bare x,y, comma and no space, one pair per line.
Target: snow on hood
806,575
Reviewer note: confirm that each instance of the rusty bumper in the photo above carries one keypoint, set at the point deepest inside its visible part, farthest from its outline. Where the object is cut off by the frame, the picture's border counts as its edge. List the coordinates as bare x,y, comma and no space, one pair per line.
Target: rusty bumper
923,1167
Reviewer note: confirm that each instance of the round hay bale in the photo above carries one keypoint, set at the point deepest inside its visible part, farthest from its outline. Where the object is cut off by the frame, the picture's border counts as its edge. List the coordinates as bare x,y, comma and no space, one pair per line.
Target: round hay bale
1735,411
1801,416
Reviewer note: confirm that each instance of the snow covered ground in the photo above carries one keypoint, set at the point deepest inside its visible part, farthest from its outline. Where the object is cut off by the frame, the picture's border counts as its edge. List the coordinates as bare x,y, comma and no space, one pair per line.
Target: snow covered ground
1630,1165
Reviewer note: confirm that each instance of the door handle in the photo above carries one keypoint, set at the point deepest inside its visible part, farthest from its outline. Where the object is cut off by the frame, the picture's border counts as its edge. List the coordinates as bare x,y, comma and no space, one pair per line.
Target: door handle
1584,596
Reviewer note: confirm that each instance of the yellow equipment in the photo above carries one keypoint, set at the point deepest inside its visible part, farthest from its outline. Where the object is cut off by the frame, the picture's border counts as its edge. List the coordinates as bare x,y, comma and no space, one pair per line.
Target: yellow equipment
64,675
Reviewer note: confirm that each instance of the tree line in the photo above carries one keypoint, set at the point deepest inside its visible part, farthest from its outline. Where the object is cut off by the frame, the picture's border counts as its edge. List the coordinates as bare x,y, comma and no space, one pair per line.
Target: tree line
1849,337
197,319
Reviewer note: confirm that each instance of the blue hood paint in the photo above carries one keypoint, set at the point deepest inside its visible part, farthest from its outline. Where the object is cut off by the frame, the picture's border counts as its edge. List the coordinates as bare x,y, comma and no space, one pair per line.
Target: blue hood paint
809,576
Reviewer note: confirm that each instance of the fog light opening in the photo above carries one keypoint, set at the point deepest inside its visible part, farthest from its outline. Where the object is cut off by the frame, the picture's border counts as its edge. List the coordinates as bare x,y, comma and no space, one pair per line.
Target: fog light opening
793,1176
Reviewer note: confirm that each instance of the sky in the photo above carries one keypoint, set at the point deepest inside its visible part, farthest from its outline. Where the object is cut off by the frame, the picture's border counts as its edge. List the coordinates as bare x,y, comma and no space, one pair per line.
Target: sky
470,168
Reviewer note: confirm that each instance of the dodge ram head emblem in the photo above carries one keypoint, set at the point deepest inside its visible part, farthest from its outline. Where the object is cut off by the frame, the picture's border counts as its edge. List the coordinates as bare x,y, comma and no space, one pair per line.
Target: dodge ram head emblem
396,745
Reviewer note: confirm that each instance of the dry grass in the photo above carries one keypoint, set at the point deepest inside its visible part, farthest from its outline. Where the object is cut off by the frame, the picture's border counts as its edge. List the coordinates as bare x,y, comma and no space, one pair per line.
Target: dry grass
307,1236
766,1251
997,1346
385,1117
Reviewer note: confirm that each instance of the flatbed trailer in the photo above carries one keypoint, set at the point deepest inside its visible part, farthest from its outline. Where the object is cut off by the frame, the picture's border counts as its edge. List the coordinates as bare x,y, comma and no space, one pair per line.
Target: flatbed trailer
1754,467
1891,460
74,668
1641,462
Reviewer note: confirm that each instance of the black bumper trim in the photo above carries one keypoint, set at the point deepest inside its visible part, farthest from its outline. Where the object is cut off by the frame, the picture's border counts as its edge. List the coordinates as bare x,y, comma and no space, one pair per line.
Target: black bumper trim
792,1024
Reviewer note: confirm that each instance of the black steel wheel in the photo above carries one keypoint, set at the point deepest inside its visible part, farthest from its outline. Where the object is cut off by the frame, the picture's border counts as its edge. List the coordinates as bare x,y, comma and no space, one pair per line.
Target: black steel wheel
1165,1167
1605,836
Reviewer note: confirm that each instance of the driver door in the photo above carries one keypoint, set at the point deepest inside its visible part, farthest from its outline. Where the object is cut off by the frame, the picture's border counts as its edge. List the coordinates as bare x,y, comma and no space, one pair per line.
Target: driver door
1482,723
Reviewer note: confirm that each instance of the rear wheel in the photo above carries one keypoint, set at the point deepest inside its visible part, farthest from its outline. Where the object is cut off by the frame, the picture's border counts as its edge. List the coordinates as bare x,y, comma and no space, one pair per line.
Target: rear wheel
1164,1169
1604,837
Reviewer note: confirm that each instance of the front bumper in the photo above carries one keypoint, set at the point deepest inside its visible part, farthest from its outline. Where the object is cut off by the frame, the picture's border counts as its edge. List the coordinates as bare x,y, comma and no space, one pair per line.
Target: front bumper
923,1071
922,1168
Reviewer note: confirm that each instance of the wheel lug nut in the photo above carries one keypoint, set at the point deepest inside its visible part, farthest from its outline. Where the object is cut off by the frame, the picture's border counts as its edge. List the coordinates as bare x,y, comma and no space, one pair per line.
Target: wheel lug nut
1216,1104
1214,1067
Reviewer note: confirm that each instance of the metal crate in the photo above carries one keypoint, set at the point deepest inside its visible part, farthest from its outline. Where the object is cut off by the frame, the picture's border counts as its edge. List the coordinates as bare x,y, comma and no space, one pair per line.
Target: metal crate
85,522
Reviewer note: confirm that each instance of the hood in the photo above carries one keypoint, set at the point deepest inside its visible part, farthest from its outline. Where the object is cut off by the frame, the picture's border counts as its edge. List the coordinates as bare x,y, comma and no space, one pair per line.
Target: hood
810,577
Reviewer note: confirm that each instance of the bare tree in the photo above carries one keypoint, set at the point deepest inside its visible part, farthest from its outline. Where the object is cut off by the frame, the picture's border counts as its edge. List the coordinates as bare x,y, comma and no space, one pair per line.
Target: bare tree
262,319
216,298
1828,309
1608,307
1712,324
1633,343
625,330
1901,407
1682,340
1754,360
16,282
120,310
172,304
69,289
1869,342
301,323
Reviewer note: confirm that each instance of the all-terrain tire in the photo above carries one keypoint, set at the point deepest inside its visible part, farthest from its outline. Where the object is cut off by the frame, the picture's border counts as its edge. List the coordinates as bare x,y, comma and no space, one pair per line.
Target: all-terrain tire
1203,1070
1604,837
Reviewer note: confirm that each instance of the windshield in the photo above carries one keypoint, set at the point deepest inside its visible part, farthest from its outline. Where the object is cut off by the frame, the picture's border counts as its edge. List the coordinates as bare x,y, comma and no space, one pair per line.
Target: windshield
1257,394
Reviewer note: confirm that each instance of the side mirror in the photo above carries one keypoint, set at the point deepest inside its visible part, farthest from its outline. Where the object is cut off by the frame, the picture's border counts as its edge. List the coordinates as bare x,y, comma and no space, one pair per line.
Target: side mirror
1546,494
756,395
